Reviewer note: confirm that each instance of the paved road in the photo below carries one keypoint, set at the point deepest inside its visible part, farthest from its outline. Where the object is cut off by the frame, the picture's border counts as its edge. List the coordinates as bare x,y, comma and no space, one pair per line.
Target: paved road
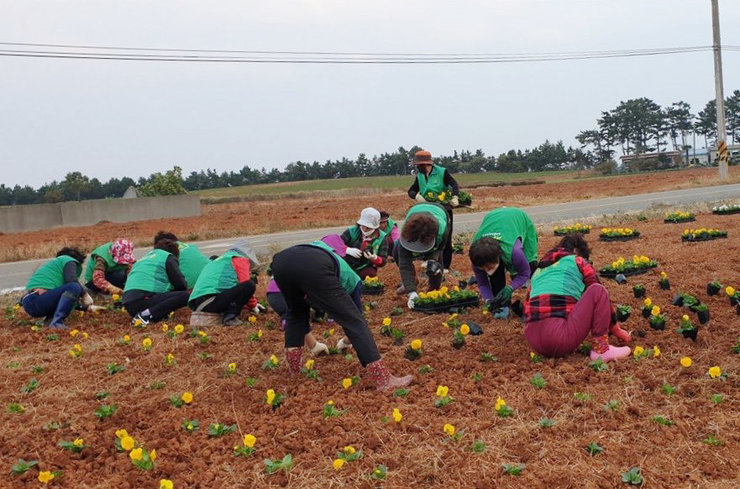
15,274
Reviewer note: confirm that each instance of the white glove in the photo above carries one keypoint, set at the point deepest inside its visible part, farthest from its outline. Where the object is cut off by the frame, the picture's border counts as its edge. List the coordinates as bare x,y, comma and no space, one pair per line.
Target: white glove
454,201
423,265
370,256
259,308
86,300
412,297
420,198
354,252
343,345
319,348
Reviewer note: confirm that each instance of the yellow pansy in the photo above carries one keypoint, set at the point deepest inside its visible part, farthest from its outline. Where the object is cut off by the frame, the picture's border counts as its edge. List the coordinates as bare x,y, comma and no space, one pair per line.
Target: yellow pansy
274,360
397,416
655,310
685,318
232,367
127,443
656,351
165,484
448,429
187,397
730,291
387,321
499,404
416,345
349,450
179,329
146,343
74,333
338,463
346,382
686,362
270,396
638,351
136,454
715,372
249,440
647,302
78,442
309,363
442,390
165,328
153,455
121,433
252,319
464,329
45,476
126,338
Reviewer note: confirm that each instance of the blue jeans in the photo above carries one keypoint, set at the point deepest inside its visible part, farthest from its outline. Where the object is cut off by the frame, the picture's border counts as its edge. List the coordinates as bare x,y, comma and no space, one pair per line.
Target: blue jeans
50,302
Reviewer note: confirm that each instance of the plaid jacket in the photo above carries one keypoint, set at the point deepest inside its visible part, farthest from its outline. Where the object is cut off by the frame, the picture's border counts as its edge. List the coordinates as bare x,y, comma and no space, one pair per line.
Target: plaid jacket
551,305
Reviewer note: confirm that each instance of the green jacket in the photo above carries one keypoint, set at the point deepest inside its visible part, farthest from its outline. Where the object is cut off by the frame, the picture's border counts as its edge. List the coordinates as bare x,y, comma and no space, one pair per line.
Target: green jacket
507,224
150,273
434,183
192,262
561,278
50,275
217,276
102,251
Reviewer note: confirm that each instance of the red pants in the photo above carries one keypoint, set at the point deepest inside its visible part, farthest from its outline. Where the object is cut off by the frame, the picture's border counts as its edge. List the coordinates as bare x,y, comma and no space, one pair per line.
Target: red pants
558,337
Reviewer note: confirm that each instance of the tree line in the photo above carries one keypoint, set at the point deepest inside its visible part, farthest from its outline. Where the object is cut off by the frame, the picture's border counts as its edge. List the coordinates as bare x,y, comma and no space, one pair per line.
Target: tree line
635,126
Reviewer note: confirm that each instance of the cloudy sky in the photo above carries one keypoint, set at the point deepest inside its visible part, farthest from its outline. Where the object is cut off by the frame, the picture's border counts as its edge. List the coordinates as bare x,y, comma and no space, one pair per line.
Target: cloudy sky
131,118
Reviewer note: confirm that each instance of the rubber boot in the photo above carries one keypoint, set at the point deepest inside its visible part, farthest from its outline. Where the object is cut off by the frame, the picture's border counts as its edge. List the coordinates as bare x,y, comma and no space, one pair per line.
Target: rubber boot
623,335
66,303
606,352
384,380
294,359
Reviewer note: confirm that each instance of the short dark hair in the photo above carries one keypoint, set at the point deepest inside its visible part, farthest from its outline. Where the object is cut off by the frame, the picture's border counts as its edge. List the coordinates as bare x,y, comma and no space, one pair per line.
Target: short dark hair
485,251
168,245
575,243
384,215
165,235
73,252
420,227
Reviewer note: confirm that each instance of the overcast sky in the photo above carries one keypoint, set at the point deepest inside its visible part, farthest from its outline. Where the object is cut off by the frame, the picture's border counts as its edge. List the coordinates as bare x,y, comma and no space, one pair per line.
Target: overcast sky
131,118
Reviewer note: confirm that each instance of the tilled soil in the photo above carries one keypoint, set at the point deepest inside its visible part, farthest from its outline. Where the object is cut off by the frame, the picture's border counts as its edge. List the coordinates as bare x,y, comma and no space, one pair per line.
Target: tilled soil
416,451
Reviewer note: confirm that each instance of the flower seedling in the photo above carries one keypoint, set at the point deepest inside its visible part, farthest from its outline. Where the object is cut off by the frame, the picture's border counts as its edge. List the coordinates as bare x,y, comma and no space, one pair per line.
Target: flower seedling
46,476
536,358
106,411
687,328
702,312
733,295
664,283
125,340
169,360
426,369
712,440
574,228
618,234
611,405
190,425
401,393
716,373
598,365
271,363
594,449
31,386
657,319
632,477
23,466
157,385
486,357
204,356
379,473
396,311
251,381
538,381
331,411
396,415
414,351
179,401
668,389
664,420
203,338
443,397
246,448
638,291
16,408
452,433
502,409
628,267
476,376
582,397
717,398
546,423
273,399
678,216
309,371
513,469
146,344
623,312
75,446
113,368
478,446
272,466
143,459
216,430
349,454
76,351
256,336
714,287
230,369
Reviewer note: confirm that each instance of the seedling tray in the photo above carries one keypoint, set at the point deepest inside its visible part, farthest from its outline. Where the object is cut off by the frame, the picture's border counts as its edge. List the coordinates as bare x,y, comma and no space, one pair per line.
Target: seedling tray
447,306
619,238
372,290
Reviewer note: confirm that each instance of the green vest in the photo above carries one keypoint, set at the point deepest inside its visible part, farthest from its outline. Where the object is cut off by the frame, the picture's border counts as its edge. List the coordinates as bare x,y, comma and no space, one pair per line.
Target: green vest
103,251
355,234
191,262
217,276
150,273
434,183
507,224
50,275
561,278
438,213
347,277
388,229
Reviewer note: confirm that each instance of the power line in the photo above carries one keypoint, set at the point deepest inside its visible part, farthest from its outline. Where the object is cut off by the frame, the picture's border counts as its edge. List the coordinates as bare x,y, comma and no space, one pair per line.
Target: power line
117,53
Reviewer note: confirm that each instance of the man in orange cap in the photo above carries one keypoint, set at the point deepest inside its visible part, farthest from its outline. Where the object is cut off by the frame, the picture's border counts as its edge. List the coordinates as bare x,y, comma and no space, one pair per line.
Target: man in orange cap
434,184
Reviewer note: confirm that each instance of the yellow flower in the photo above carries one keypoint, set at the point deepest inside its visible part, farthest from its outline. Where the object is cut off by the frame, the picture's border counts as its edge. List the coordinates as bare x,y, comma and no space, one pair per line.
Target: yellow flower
329,402
121,433
686,362
532,355
259,333
153,455
232,367
127,443
730,290
165,484
714,372
202,333
448,429
136,454
656,351
309,364
169,359
647,302
464,329
250,440
387,321
115,297
274,360
146,343
346,382
77,347
663,275
638,351
179,329
397,416
78,442
138,322
442,390
349,450
685,318
45,476
331,332
73,333
252,319
270,396
187,397
499,404
655,310
441,197
85,335
456,288
126,338
430,195
338,463
416,345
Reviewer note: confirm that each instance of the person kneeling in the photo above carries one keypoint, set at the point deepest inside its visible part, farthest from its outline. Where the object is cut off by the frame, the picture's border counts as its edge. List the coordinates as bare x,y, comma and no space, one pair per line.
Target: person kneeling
567,302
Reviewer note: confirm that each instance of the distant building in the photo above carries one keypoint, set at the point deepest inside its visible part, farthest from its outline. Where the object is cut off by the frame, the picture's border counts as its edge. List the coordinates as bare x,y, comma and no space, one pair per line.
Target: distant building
652,161
733,150
130,193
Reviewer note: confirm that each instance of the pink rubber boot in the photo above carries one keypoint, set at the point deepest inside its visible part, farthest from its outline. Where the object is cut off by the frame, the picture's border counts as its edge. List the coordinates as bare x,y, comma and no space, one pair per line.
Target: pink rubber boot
606,352
384,380
623,335
294,359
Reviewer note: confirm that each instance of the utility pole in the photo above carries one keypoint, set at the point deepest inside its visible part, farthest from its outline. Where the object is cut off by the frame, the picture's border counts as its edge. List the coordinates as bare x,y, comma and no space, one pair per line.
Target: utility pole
721,129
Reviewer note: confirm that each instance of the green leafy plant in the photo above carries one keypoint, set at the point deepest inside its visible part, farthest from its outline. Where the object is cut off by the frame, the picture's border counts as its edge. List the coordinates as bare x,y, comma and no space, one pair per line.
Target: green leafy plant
665,421
251,381
538,381
106,411
717,398
272,466
477,377
51,426
157,385
426,369
113,368
478,446
513,469
598,365
594,449
712,440
582,396
22,466
486,357
668,389
13,365
37,369
190,425
331,411
31,386
75,446
217,429
611,405
379,473
632,477
52,337
546,423
401,392
16,408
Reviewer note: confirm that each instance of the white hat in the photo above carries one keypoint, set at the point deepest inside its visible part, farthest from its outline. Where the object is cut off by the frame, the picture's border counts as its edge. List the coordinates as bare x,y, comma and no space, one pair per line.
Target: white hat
369,218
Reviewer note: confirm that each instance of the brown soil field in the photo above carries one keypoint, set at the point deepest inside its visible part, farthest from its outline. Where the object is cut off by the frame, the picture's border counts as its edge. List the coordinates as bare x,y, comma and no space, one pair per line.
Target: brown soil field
416,451
268,216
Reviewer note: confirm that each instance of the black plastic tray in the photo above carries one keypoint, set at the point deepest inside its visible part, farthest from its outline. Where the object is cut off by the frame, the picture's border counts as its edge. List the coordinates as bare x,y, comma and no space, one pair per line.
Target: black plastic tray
619,238
447,307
